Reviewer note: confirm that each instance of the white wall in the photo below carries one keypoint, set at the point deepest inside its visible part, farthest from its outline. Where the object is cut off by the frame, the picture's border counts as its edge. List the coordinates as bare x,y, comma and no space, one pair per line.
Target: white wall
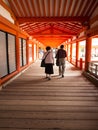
6,14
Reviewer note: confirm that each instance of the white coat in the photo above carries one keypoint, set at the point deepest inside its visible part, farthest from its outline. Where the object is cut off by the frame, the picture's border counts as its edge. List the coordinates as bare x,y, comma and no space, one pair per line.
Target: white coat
49,57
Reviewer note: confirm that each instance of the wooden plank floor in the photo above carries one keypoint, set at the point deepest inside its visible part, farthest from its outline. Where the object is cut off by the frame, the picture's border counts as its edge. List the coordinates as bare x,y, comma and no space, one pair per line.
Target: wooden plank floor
31,102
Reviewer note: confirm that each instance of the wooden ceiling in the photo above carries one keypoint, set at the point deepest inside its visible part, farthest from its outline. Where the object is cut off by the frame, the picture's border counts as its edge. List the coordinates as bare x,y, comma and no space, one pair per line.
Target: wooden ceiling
52,22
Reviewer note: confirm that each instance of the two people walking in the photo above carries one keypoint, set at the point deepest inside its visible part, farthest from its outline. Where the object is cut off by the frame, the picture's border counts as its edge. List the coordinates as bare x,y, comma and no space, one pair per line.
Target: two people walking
49,61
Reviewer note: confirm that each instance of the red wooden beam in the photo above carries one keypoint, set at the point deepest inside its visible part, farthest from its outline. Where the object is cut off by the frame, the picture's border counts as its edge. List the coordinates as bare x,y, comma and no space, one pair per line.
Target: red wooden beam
22,20
56,35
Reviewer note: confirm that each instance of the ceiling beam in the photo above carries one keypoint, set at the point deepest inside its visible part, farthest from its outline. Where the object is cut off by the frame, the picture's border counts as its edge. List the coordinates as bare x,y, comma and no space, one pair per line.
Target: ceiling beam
22,20
65,31
51,29
63,35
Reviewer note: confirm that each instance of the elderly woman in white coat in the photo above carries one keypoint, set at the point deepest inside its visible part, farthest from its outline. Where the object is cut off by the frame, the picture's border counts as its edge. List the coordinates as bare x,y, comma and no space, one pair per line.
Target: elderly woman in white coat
49,61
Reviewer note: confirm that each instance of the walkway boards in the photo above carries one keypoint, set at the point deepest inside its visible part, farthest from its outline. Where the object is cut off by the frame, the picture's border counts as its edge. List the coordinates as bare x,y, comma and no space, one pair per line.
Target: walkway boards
31,102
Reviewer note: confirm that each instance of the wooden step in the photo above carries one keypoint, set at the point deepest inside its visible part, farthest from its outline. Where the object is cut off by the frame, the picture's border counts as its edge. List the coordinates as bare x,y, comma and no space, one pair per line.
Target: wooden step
31,102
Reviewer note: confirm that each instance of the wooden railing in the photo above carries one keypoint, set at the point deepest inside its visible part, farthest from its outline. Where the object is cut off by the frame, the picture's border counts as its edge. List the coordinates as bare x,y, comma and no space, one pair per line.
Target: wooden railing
93,68
80,63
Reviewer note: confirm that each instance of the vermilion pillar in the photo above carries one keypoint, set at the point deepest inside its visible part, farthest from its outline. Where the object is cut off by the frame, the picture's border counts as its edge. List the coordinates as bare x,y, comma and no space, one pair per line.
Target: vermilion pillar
77,53
33,51
71,52
17,53
27,50
88,53
67,50
37,50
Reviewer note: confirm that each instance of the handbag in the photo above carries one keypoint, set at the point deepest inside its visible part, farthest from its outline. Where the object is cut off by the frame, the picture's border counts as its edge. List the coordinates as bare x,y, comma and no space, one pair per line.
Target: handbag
43,61
57,62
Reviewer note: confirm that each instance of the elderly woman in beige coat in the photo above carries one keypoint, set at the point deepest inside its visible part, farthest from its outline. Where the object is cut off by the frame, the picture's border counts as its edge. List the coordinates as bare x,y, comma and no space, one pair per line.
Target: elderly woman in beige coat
49,61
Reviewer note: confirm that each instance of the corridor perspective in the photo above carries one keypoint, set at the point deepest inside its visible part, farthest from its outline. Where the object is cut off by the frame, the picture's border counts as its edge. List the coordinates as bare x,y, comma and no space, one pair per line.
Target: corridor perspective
31,102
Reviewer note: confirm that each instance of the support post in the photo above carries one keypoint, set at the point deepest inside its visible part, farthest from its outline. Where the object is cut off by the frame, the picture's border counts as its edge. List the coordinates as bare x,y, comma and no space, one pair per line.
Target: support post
77,53
17,53
81,64
87,53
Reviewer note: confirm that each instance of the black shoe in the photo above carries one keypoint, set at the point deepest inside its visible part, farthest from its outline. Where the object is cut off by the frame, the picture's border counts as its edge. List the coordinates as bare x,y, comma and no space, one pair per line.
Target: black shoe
49,78
62,76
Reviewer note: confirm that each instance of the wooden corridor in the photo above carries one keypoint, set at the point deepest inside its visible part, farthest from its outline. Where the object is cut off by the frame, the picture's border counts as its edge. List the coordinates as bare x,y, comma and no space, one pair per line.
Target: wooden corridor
31,102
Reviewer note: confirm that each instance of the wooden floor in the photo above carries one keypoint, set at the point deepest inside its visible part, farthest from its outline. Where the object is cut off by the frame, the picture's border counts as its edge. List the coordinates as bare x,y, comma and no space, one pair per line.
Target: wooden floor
31,102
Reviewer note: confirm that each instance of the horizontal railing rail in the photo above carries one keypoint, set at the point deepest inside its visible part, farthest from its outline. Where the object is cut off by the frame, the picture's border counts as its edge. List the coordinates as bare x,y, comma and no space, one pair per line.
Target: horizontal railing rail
93,68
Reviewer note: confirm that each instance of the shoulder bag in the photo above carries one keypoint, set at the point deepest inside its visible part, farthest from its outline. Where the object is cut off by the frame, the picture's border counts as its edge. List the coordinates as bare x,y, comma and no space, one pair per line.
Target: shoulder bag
43,61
